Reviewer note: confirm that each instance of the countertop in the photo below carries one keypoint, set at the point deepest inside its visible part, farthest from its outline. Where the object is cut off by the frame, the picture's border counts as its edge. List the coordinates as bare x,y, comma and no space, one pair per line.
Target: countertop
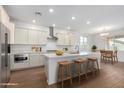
53,55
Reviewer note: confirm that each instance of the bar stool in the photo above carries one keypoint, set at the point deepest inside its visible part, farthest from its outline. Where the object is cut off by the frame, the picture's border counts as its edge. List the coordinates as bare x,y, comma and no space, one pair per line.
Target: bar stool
92,60
78,63
65,66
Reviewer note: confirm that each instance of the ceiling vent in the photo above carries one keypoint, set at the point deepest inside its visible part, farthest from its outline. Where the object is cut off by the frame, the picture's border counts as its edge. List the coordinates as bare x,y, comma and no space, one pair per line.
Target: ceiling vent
37,13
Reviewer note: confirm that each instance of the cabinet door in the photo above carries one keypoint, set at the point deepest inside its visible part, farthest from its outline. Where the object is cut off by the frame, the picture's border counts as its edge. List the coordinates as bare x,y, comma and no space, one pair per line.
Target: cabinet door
60,40
34,60
33,37
42,37
21,36
41,60
72,40
67,40
12,29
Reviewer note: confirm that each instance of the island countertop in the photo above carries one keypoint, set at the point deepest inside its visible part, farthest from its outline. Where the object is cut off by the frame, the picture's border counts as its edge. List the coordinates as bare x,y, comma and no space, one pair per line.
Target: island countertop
51,63
53,55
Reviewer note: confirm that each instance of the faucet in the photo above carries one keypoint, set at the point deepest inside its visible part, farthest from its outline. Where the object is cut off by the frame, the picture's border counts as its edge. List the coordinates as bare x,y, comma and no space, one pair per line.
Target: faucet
77,48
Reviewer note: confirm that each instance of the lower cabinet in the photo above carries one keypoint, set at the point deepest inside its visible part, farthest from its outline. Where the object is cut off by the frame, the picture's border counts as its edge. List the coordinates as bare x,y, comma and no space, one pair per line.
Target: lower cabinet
35,60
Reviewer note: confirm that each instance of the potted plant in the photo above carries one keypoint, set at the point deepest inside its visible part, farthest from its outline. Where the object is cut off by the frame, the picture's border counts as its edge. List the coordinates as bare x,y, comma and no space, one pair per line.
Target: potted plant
94,47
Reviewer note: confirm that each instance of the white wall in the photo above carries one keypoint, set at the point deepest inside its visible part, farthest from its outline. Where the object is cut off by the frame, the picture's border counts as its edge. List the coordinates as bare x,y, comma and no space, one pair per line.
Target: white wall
101,43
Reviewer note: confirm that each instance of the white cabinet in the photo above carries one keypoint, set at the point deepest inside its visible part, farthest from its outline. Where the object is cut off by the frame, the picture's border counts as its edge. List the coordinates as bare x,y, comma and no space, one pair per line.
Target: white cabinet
32,37
41,60
61,38
12,28
21,36
26,36
16,66
35,60
72,39
42,37
67,40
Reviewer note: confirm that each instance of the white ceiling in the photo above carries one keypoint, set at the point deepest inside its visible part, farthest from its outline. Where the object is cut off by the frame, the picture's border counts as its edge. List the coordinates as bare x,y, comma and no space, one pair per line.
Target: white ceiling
103,18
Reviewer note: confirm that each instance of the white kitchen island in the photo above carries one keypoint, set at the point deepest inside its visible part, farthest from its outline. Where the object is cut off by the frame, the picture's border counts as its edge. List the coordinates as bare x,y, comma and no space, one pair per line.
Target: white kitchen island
51,63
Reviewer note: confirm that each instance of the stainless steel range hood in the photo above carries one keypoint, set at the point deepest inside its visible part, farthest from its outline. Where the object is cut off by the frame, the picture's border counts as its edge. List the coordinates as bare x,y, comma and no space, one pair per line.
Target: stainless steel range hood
51,34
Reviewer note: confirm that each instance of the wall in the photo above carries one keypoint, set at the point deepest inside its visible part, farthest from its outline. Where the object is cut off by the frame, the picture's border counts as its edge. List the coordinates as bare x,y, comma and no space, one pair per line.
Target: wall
23,48
101,43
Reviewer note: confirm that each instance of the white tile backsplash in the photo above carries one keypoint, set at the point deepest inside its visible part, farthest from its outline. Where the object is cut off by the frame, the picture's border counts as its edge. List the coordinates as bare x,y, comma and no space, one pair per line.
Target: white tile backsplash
26,48
23,48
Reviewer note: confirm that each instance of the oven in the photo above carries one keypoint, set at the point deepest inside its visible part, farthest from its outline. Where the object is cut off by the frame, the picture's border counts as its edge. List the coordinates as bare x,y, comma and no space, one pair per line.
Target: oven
21,58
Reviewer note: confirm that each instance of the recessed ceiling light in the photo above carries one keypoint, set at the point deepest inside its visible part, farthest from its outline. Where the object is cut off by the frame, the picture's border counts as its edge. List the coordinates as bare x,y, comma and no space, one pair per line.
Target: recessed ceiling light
51,10
34,21
73,17
88,22
68,28
104,34
54,25
104,28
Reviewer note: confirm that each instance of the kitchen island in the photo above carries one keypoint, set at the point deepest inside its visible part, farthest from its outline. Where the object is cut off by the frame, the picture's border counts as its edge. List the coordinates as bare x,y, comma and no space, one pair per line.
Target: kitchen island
51,63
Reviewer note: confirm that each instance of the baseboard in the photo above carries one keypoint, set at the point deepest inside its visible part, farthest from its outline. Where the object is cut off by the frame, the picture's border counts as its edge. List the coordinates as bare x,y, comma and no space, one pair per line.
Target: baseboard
26,68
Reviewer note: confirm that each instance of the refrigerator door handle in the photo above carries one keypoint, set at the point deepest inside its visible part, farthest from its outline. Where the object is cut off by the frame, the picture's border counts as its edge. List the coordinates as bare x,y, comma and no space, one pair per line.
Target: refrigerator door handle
6,49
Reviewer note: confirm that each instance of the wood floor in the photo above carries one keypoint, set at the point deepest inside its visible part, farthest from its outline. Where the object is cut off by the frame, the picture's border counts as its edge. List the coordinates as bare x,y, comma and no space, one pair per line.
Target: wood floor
111,76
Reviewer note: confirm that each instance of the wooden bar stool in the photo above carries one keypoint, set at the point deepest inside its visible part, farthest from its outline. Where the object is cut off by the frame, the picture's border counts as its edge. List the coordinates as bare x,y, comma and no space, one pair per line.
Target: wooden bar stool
78,63
93,61
65,66
102,52
109,56
115,57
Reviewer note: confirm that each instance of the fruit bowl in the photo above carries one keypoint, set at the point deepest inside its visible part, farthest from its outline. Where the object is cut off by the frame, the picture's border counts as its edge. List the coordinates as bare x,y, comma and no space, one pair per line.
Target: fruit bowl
59,52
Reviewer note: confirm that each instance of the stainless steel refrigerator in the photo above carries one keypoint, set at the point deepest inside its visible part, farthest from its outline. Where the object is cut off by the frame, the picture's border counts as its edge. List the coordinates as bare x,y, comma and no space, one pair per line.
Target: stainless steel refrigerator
4,55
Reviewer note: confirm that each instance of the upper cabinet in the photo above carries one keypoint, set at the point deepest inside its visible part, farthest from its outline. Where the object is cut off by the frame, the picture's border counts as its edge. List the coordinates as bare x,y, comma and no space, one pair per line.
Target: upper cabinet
32,37
27,36
21,36
66,39
42,37
61,39
73,39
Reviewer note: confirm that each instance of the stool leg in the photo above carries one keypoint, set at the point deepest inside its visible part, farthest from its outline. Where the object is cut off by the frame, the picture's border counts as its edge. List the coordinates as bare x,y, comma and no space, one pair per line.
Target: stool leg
105,60
93,68
79,72
86,75
85,72
87,66
117,58
69,69
62,75
112,60
59,74
97,65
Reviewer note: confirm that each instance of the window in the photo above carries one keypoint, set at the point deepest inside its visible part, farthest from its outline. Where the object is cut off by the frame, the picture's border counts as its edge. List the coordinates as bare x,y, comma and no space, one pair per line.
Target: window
83,43
83,40
117,43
